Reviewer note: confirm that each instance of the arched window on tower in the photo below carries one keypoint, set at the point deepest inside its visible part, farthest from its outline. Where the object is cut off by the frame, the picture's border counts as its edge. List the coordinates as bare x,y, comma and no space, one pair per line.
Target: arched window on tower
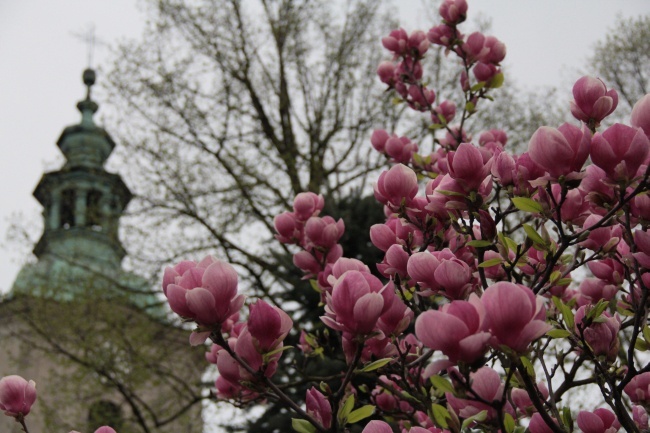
93,210
67,208
105,412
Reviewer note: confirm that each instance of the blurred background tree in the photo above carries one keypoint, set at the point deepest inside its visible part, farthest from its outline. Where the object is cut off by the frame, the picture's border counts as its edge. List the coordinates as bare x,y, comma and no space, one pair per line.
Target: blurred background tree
622,61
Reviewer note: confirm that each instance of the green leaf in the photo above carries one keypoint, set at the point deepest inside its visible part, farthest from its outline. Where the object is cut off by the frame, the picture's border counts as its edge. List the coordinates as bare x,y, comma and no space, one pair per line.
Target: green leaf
598,309
497,81
646,333
527,205
450,193
376,364
555,276
441,415
302,425
567,314
314,285
441,384
397,101
534,236
361,413
481,416
509,423
492,262
558,333
470,107
436,126
566,418
528,365
417,158
479,244
478,86
345,409
640,345
281,349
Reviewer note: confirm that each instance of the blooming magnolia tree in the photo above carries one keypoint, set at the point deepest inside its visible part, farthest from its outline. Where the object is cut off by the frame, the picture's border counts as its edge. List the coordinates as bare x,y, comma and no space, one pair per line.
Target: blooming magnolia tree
510,282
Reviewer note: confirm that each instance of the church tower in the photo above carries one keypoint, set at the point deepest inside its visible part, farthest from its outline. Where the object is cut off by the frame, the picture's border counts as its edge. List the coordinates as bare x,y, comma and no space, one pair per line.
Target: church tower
94,337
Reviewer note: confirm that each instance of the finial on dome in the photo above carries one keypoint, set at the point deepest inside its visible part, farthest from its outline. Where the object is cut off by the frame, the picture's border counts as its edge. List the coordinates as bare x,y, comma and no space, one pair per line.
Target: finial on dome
88,107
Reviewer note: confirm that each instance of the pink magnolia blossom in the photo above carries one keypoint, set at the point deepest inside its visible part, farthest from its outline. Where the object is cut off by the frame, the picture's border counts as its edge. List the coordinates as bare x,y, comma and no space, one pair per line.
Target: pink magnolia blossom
619,151
395,262
396,185
467,167
515,315
268,325
484,72
397,317
474,47
208,300
592,290
17,396
386,72
422,266
323,232
389,401
639,389
457,330
446,110
287,227
357,301
378,139
642,241
487,385
522,400
560,151
602,337
105,429
592,101
307,204
609,270
640,117
453,11
497,51
599,421
640,417
319,407
604,237
376,426
396,41
442,35
538,425
400,149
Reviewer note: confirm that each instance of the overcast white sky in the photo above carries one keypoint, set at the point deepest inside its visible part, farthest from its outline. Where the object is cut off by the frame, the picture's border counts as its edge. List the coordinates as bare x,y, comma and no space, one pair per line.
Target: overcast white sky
41,63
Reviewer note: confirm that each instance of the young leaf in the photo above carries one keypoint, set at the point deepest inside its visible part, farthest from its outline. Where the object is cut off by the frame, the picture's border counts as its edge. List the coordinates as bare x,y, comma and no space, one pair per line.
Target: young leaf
302,425
534,236
529,366
361,413
492,262
509,423
376,364
481,416
527,205
314,285
558,333
441,415
345,409
479,243
441,384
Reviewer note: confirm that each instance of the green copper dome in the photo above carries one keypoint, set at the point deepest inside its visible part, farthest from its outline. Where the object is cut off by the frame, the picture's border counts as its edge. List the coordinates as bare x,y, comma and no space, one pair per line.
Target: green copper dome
79,250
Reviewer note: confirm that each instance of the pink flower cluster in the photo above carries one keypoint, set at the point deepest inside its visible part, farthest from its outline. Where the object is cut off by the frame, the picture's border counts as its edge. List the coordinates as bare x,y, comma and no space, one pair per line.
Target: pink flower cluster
318,237
205,292
257,343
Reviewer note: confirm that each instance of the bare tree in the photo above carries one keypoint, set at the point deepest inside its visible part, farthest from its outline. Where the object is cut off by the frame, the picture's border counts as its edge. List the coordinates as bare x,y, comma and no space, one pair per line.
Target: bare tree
622,59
